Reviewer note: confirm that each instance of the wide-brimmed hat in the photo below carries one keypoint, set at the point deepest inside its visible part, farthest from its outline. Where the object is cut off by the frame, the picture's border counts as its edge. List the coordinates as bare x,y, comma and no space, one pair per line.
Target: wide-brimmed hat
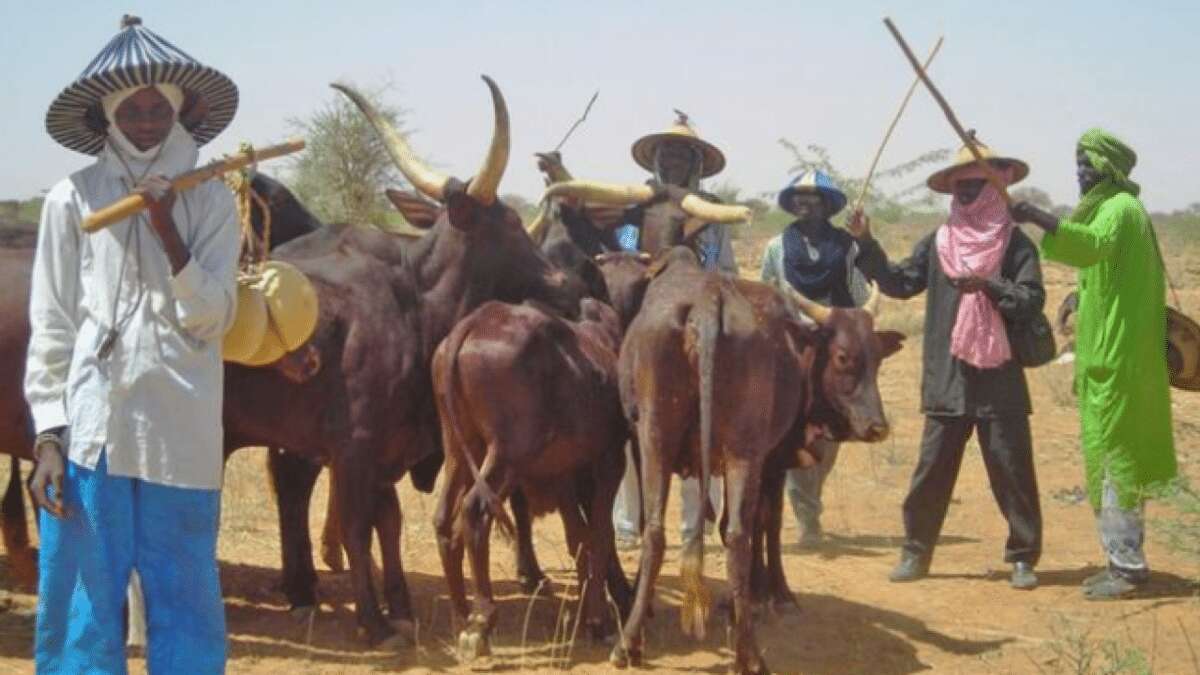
940,181
814,181
713,161
1183,351
138,57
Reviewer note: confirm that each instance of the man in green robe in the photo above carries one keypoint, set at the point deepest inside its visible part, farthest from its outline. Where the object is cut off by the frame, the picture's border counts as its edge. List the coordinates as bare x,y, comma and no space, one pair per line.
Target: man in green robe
1120,364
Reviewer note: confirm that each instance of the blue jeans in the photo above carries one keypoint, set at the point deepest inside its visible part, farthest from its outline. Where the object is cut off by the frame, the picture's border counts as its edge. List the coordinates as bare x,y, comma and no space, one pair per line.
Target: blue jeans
116,524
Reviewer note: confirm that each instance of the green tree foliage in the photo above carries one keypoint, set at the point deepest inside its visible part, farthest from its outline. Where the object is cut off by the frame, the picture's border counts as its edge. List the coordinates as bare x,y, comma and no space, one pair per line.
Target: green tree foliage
345,167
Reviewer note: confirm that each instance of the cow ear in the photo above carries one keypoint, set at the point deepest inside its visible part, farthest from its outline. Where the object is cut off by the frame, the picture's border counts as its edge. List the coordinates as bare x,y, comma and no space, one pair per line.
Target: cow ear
890,342
419,213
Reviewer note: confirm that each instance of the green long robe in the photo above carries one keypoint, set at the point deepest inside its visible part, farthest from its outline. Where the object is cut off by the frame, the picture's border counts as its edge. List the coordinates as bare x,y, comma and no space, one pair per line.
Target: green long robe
1120,363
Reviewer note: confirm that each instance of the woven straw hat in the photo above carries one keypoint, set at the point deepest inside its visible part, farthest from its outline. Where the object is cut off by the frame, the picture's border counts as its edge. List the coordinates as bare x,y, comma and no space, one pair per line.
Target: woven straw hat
940,181
644,148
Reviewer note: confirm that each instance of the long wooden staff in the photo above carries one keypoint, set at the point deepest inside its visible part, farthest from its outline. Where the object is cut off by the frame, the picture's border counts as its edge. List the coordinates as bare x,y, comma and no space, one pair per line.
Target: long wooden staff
892,127
988,171
135,203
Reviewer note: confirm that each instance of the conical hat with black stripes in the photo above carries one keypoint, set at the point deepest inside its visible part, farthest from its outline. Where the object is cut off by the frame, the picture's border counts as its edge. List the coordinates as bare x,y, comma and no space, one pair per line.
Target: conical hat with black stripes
138,57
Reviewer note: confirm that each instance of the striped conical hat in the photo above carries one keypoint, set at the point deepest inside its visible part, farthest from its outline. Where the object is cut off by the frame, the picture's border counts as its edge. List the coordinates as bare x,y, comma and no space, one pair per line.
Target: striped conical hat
137,57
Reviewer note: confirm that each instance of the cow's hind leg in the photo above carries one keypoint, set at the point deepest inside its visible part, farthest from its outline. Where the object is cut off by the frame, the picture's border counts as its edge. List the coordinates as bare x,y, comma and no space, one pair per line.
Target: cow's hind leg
357,494
529,572
292,478
656,482
742,490
388,523
478,515
606,474
449,539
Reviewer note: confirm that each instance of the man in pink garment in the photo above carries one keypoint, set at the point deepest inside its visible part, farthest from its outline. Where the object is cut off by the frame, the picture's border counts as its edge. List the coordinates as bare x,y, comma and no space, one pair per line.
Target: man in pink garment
978,272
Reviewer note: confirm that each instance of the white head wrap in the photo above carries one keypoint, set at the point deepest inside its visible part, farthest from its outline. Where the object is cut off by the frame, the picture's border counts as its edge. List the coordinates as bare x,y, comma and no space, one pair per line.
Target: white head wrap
111,102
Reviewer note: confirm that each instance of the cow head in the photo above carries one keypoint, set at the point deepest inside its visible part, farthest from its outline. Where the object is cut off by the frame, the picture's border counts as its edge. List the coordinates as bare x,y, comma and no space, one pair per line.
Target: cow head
626,280
672,215
846,368
471,228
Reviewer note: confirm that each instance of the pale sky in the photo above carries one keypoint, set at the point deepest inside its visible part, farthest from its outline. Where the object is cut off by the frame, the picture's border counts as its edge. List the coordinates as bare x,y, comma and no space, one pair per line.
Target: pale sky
1030,76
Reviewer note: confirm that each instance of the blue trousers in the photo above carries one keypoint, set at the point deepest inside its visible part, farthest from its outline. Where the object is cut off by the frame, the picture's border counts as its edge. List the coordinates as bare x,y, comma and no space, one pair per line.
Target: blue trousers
116,524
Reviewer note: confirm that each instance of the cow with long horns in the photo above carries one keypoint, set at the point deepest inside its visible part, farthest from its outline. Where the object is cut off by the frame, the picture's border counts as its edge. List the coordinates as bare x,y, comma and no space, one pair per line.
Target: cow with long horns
387,302
715,374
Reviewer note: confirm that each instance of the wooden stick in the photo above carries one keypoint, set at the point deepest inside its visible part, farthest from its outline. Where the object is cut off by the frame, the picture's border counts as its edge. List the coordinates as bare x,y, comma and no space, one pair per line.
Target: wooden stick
992,177
892,127
135,203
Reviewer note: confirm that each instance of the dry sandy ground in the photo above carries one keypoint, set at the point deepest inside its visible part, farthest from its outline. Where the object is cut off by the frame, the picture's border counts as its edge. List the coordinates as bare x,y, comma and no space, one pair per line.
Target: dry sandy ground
965,618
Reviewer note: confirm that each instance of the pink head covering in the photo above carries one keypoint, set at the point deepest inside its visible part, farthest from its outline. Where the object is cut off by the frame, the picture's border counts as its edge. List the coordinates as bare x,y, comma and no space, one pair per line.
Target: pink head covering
972,243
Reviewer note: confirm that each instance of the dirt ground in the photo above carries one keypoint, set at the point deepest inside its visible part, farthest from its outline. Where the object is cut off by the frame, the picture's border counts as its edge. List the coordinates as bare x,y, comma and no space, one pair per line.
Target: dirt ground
964,618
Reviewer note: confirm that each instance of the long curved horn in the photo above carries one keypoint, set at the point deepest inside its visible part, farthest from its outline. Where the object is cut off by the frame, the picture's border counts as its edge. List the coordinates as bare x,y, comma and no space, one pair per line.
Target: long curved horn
709,212
431,183
485,183
540,224
872,303
601,193
815,311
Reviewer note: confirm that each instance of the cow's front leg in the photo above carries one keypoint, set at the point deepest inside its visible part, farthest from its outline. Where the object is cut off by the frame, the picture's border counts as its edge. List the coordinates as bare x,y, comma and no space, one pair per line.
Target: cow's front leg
742,490
780,596
293,477
331,533
529,572
357,496
388,523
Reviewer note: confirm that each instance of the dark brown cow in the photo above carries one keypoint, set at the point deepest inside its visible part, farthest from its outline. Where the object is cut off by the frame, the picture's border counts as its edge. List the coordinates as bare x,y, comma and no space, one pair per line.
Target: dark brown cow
715,374
386,303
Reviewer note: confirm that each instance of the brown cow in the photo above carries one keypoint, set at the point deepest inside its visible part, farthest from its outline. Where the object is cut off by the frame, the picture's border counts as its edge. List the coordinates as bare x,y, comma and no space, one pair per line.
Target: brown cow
715,374
386,303
529,401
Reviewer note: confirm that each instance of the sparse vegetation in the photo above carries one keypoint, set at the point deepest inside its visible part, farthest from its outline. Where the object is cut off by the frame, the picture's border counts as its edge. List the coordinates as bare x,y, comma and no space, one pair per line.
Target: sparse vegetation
343,172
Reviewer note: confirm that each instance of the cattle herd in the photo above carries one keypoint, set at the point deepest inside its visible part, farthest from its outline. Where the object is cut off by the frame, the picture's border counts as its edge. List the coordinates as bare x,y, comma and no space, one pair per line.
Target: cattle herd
517,362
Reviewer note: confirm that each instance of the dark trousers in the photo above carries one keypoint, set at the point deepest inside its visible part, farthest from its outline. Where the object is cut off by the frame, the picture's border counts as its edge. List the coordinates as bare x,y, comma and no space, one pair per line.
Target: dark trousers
1008,455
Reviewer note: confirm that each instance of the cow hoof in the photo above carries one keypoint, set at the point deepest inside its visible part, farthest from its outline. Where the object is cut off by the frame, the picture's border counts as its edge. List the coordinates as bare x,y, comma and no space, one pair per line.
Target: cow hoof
393,643
622,657
473,646
785,604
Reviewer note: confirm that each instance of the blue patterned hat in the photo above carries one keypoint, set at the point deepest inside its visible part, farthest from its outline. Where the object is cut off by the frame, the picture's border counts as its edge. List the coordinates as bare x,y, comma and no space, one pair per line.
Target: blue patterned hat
137,57
814,181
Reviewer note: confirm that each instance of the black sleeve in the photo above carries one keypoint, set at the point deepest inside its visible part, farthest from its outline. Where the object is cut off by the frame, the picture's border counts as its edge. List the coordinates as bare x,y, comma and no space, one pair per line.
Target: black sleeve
1019,293
900,280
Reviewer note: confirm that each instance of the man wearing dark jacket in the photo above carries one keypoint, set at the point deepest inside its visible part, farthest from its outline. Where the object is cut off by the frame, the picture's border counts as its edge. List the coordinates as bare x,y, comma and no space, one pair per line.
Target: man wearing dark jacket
978,270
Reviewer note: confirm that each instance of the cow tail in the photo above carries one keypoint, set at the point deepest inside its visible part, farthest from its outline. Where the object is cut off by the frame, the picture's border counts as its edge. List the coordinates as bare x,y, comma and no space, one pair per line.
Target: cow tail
697,601
480,496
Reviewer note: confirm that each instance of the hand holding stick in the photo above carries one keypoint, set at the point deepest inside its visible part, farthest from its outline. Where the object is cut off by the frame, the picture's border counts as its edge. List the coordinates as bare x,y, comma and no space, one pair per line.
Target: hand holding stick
136,203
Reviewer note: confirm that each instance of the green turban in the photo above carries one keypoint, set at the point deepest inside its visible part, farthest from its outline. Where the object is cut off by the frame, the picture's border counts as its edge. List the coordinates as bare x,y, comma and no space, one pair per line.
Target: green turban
1112,158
